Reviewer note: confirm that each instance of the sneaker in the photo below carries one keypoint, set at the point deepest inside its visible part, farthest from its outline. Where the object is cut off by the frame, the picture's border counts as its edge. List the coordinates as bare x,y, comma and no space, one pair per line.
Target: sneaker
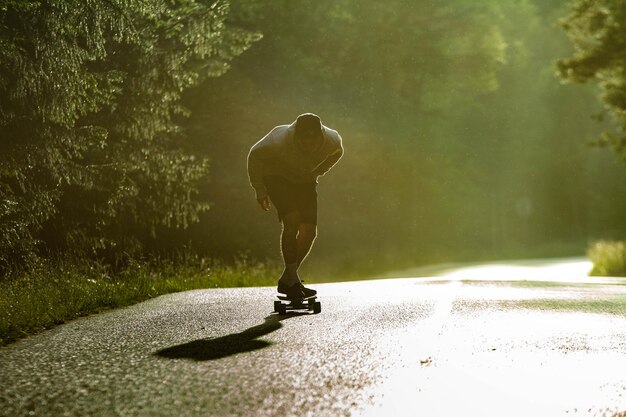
308,292
291,291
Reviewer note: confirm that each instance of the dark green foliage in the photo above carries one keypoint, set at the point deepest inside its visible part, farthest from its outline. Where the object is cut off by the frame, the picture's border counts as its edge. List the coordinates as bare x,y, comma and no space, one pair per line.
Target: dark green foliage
460,141
90,109
598,30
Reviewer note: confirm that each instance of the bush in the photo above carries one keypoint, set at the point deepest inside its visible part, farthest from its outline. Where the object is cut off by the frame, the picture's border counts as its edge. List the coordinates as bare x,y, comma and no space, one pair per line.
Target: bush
608,258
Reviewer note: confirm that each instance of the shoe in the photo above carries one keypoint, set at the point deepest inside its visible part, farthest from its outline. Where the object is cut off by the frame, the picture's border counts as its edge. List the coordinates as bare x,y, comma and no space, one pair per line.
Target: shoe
308,292
291,291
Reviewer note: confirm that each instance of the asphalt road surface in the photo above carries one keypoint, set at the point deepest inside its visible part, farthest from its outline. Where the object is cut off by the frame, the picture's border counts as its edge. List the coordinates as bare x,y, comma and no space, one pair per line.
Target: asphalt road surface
526,339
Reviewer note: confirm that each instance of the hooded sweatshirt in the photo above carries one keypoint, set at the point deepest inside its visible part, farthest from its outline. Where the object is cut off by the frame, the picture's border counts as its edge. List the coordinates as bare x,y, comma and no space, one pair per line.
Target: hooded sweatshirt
278,154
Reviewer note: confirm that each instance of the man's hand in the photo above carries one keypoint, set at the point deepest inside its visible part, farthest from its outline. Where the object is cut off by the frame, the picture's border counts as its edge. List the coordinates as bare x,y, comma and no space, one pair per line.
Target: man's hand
265,203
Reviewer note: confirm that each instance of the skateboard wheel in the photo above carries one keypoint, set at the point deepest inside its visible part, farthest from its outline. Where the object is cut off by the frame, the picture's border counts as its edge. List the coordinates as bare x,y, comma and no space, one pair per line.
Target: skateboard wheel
277,305
282,309
317,307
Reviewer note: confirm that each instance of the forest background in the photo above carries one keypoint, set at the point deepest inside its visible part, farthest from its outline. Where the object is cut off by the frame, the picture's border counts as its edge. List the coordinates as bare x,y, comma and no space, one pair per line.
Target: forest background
125,126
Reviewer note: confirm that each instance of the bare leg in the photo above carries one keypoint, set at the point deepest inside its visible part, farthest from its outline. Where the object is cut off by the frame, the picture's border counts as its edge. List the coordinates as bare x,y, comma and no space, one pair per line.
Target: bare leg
289,245
305,239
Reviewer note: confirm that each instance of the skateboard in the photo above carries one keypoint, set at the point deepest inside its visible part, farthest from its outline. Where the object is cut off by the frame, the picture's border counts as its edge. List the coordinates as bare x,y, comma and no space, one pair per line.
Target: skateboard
306,303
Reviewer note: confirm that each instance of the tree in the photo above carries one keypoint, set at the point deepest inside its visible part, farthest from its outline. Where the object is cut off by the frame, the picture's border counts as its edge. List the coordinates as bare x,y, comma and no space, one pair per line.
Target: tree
90,108
598,32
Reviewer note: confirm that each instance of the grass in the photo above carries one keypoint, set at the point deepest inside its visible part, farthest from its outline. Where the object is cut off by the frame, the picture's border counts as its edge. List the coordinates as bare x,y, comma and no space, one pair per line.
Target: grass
525,284
545,284
62,290
608,258
616,305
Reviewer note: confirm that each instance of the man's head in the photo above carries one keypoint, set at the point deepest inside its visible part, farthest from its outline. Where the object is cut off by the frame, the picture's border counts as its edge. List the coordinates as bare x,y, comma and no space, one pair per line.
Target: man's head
308,133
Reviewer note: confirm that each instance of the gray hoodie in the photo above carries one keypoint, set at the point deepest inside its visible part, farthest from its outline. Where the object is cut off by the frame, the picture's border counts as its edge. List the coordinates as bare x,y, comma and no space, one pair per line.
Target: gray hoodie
277,154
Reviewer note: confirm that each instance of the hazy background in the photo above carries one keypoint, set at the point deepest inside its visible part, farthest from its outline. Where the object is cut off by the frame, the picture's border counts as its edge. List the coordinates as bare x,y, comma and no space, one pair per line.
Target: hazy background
460,141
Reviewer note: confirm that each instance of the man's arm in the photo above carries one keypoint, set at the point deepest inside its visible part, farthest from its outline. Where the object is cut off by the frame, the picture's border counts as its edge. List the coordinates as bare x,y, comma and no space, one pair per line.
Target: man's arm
255,173
330,161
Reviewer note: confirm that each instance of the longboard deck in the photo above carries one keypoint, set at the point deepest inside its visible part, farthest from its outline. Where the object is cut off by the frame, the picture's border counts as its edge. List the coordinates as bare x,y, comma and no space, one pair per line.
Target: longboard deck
285,298
306,303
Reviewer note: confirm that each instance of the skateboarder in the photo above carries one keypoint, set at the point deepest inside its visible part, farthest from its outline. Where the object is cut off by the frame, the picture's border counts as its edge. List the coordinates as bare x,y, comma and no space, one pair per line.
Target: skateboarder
283,167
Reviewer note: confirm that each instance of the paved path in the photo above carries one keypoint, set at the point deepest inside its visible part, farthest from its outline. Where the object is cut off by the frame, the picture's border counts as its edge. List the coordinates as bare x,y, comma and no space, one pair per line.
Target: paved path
469,342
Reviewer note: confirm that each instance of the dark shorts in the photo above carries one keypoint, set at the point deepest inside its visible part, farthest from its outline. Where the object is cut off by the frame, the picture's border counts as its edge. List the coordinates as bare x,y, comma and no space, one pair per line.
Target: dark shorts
288,197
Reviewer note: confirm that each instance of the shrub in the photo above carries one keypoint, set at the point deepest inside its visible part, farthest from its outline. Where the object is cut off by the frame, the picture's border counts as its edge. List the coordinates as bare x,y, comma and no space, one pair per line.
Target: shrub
608,258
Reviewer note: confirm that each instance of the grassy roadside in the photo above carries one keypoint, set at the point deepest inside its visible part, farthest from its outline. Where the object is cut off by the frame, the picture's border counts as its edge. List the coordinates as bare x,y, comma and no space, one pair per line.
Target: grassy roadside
601,303
615,305
57,292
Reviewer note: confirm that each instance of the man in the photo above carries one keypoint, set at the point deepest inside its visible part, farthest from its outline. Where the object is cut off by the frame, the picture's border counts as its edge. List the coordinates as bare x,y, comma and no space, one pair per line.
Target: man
283,167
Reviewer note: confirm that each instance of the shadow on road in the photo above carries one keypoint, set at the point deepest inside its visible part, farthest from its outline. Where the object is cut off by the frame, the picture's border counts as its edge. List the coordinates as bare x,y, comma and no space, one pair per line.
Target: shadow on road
221,347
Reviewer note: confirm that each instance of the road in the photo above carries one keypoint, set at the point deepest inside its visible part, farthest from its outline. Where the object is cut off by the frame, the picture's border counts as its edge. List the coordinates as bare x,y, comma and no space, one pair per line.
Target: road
534,338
